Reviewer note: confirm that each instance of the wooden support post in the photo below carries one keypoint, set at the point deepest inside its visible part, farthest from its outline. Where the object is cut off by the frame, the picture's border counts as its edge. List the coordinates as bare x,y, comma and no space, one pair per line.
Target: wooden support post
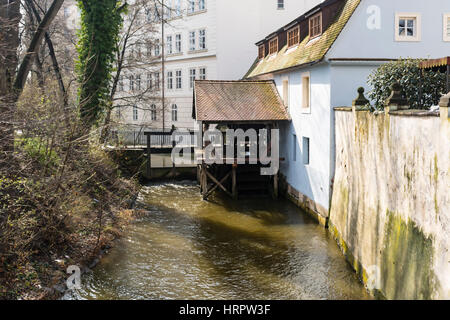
149,156
173,160
275,186
233,182
219,184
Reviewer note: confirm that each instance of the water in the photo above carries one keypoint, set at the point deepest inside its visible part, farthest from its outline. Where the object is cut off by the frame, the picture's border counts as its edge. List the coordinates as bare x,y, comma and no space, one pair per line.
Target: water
186,248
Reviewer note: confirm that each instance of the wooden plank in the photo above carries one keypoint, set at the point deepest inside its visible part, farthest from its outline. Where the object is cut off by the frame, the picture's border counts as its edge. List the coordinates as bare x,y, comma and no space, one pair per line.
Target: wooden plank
149,157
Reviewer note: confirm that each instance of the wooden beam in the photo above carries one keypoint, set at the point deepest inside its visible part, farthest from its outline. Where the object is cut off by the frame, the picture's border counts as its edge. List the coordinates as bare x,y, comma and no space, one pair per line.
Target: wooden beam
218,182
233,182
149,157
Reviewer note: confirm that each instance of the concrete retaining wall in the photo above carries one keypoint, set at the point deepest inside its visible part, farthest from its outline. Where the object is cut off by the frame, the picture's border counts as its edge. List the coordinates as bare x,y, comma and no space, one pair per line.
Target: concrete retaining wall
390,207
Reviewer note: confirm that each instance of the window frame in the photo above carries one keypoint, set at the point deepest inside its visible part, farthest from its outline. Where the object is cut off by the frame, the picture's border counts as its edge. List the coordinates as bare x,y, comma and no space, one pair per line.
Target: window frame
261,55
294,147
192,77
446,27
178,79
293,29
174,111
306,151
169,80
153,112
306,109
286,91
135,113
204,5
131,81
202,76
418,26
310,20
270,46
280,5
169,44
202,39
178,43
192,41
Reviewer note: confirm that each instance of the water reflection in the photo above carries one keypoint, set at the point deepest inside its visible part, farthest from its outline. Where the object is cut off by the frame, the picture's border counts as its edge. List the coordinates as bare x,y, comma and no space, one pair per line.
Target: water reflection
186,248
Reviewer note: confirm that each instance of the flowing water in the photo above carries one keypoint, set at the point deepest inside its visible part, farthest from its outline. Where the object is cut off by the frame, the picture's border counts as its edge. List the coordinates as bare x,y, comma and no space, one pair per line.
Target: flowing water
186,248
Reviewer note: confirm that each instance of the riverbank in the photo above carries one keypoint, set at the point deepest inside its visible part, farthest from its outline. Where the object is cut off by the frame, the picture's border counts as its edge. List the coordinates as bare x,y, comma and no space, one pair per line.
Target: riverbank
49,227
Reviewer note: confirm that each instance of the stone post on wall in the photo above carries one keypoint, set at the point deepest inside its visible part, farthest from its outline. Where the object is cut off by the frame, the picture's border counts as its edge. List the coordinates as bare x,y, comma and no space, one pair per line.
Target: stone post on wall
361,103
396,101
444,107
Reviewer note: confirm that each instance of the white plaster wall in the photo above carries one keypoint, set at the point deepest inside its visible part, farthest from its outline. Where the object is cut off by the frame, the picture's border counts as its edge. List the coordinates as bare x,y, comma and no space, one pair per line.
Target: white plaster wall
312,180
357,41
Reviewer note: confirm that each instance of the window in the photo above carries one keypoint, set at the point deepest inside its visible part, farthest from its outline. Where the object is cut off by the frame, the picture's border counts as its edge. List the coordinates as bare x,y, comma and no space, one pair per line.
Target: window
138,50
294,36
202,39
66,12
447,27
178,43
407,27
306,92
148,15
286,92
149,81
294,147
153,112
202,73
121,86
315,25
174,112
118,113
169,80
178,79
169,46
305,150
149,49
177,8
131,83
261,51
192,77
273,46
138,82
157,77
201,5
135,113
280,4
192,41
191,8
157,48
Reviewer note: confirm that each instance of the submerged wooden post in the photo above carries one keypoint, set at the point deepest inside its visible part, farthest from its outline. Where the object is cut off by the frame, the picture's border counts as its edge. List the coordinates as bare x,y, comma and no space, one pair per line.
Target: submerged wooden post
275,186
233,181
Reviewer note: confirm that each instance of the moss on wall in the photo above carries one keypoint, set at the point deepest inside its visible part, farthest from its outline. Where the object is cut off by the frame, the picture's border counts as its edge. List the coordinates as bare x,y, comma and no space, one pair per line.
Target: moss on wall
407,260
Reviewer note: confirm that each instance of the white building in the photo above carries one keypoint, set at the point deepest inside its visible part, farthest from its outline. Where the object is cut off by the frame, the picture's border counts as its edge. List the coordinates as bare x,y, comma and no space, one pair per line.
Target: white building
205,39
320,59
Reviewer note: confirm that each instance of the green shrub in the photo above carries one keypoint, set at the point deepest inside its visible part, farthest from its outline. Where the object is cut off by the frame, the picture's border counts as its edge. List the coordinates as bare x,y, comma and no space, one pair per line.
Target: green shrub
39,151
407,73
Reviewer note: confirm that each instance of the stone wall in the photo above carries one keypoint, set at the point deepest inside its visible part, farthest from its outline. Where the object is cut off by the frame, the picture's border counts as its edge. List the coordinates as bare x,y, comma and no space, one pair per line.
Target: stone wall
390,207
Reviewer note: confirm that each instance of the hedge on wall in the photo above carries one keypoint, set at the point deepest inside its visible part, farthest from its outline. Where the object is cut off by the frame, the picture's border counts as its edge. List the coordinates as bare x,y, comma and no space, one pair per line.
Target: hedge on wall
407,73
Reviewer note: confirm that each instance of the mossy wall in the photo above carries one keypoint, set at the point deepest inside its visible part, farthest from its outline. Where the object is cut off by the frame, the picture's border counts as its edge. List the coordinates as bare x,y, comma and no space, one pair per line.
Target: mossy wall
390,208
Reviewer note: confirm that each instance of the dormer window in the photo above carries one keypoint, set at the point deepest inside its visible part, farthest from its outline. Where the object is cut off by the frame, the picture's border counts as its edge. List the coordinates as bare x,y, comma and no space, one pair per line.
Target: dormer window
315,25
273,46
261,52
294,36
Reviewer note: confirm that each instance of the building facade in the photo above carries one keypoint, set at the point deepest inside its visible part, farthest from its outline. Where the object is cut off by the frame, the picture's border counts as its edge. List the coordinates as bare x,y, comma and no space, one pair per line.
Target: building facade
321,58
203,39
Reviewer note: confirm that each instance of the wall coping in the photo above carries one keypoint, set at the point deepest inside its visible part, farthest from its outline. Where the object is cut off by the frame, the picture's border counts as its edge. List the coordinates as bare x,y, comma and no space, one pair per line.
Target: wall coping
348,109
404,113
415,113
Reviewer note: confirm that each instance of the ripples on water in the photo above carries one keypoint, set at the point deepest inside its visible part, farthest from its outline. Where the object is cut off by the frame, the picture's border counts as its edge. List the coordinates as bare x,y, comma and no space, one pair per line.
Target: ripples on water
186,248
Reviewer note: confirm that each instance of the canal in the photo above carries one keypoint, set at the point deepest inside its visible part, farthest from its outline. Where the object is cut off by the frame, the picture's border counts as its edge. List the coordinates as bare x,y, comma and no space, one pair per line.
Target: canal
186,248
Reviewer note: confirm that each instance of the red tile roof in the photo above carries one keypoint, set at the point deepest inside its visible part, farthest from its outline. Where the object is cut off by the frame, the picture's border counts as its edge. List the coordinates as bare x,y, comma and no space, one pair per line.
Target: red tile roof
237,101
